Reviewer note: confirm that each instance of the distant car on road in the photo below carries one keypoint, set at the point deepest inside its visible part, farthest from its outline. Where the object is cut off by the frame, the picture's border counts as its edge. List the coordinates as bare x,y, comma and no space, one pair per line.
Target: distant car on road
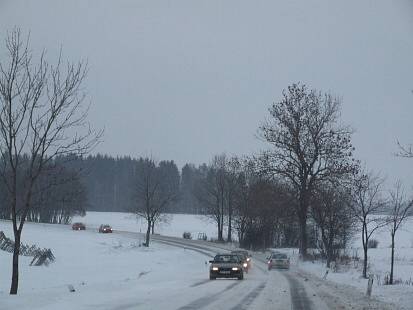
105,228
226,266
278,260
246,258
78,226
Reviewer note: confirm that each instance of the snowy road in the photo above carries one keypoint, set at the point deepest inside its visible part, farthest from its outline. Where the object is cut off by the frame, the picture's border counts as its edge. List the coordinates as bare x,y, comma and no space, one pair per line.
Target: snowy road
261,289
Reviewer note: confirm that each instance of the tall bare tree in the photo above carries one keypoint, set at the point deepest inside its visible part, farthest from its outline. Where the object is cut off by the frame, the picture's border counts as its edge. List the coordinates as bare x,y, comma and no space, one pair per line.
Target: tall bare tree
153,193
399,209
367,203
211,192
42,115
309,146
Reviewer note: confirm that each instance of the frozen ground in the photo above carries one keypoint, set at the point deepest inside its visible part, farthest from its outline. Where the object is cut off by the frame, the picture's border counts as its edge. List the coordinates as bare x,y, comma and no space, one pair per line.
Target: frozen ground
379,258
113,272
379,266
105,269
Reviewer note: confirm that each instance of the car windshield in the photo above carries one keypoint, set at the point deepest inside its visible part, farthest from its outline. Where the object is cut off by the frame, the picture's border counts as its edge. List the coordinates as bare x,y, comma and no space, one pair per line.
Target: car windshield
279,256
243,253
226,259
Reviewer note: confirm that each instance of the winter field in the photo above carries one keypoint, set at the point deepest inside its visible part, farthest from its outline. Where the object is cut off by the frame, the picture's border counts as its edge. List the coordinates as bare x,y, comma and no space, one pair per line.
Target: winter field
108,271
111,271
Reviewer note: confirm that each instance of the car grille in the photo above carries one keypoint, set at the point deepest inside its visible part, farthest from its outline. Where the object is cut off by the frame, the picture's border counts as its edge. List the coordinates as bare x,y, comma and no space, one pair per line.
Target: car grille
225,269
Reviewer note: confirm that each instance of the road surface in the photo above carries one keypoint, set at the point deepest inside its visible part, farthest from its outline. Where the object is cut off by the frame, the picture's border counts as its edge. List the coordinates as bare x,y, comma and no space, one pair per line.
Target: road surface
261,289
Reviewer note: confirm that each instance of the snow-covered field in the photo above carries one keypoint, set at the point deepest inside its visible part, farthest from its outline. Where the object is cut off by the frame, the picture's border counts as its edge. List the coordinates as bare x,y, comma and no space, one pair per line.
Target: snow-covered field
107,270
176,225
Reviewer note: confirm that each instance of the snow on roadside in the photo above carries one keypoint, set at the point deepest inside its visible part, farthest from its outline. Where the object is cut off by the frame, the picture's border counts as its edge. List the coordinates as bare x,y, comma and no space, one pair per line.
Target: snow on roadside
105,269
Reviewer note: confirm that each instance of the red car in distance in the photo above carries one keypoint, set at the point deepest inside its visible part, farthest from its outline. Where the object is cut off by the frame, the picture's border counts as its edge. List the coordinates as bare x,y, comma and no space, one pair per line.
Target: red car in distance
78,226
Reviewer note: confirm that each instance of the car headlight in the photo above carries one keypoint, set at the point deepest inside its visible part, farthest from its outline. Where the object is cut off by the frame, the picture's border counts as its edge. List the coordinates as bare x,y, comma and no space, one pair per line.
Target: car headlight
234,268
248,259
215,268
245,265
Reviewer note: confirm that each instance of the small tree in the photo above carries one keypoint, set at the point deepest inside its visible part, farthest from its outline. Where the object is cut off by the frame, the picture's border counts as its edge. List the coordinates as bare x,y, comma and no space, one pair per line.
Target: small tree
334,218
366,203
42,116
399,209
153,193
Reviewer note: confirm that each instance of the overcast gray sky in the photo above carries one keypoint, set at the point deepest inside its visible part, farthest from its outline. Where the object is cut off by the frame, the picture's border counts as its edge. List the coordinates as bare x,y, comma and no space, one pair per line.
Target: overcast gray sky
185,80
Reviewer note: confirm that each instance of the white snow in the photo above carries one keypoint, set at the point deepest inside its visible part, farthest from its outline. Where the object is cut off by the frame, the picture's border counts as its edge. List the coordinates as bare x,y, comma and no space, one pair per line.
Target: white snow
105,269
177,223
112,270
379,266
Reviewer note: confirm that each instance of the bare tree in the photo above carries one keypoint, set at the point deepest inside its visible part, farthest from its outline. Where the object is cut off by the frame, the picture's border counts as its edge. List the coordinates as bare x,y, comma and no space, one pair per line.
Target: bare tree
211,192
399,209
153,194
42,116
367,203
330,209
309,145
405,150
233,182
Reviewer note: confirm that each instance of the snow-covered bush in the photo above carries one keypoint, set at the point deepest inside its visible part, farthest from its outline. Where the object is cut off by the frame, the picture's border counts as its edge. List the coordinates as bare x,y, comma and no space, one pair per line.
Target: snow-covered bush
187,235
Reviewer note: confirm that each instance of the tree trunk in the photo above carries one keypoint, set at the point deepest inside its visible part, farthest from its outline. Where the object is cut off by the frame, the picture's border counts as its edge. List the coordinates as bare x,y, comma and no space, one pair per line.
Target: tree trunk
153,227
303,235
148,233
392,259
220,237
15,273
229,225
302,218
365,262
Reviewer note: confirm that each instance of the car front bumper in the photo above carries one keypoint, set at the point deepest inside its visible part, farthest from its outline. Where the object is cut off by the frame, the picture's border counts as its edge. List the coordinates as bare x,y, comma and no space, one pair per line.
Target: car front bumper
225,273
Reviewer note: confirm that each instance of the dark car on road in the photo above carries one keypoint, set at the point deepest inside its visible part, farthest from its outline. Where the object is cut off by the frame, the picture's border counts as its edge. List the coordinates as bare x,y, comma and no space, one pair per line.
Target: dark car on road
78,226
226,266
105,228
278,260
245,257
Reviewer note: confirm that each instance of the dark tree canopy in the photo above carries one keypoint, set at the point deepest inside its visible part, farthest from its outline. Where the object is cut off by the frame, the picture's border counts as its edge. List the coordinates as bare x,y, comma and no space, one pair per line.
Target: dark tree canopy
308,144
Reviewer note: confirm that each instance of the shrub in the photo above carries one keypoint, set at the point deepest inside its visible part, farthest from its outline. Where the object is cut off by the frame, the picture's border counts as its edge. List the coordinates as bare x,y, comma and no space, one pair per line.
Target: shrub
187,235
372,244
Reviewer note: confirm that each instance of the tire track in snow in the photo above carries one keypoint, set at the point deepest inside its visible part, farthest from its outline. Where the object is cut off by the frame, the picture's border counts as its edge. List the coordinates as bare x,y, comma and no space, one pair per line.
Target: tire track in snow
248,300
207,300
299,298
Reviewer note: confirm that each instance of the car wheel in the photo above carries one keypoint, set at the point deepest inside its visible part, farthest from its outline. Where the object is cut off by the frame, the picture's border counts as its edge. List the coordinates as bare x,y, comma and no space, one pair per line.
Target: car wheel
241,277
212,277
